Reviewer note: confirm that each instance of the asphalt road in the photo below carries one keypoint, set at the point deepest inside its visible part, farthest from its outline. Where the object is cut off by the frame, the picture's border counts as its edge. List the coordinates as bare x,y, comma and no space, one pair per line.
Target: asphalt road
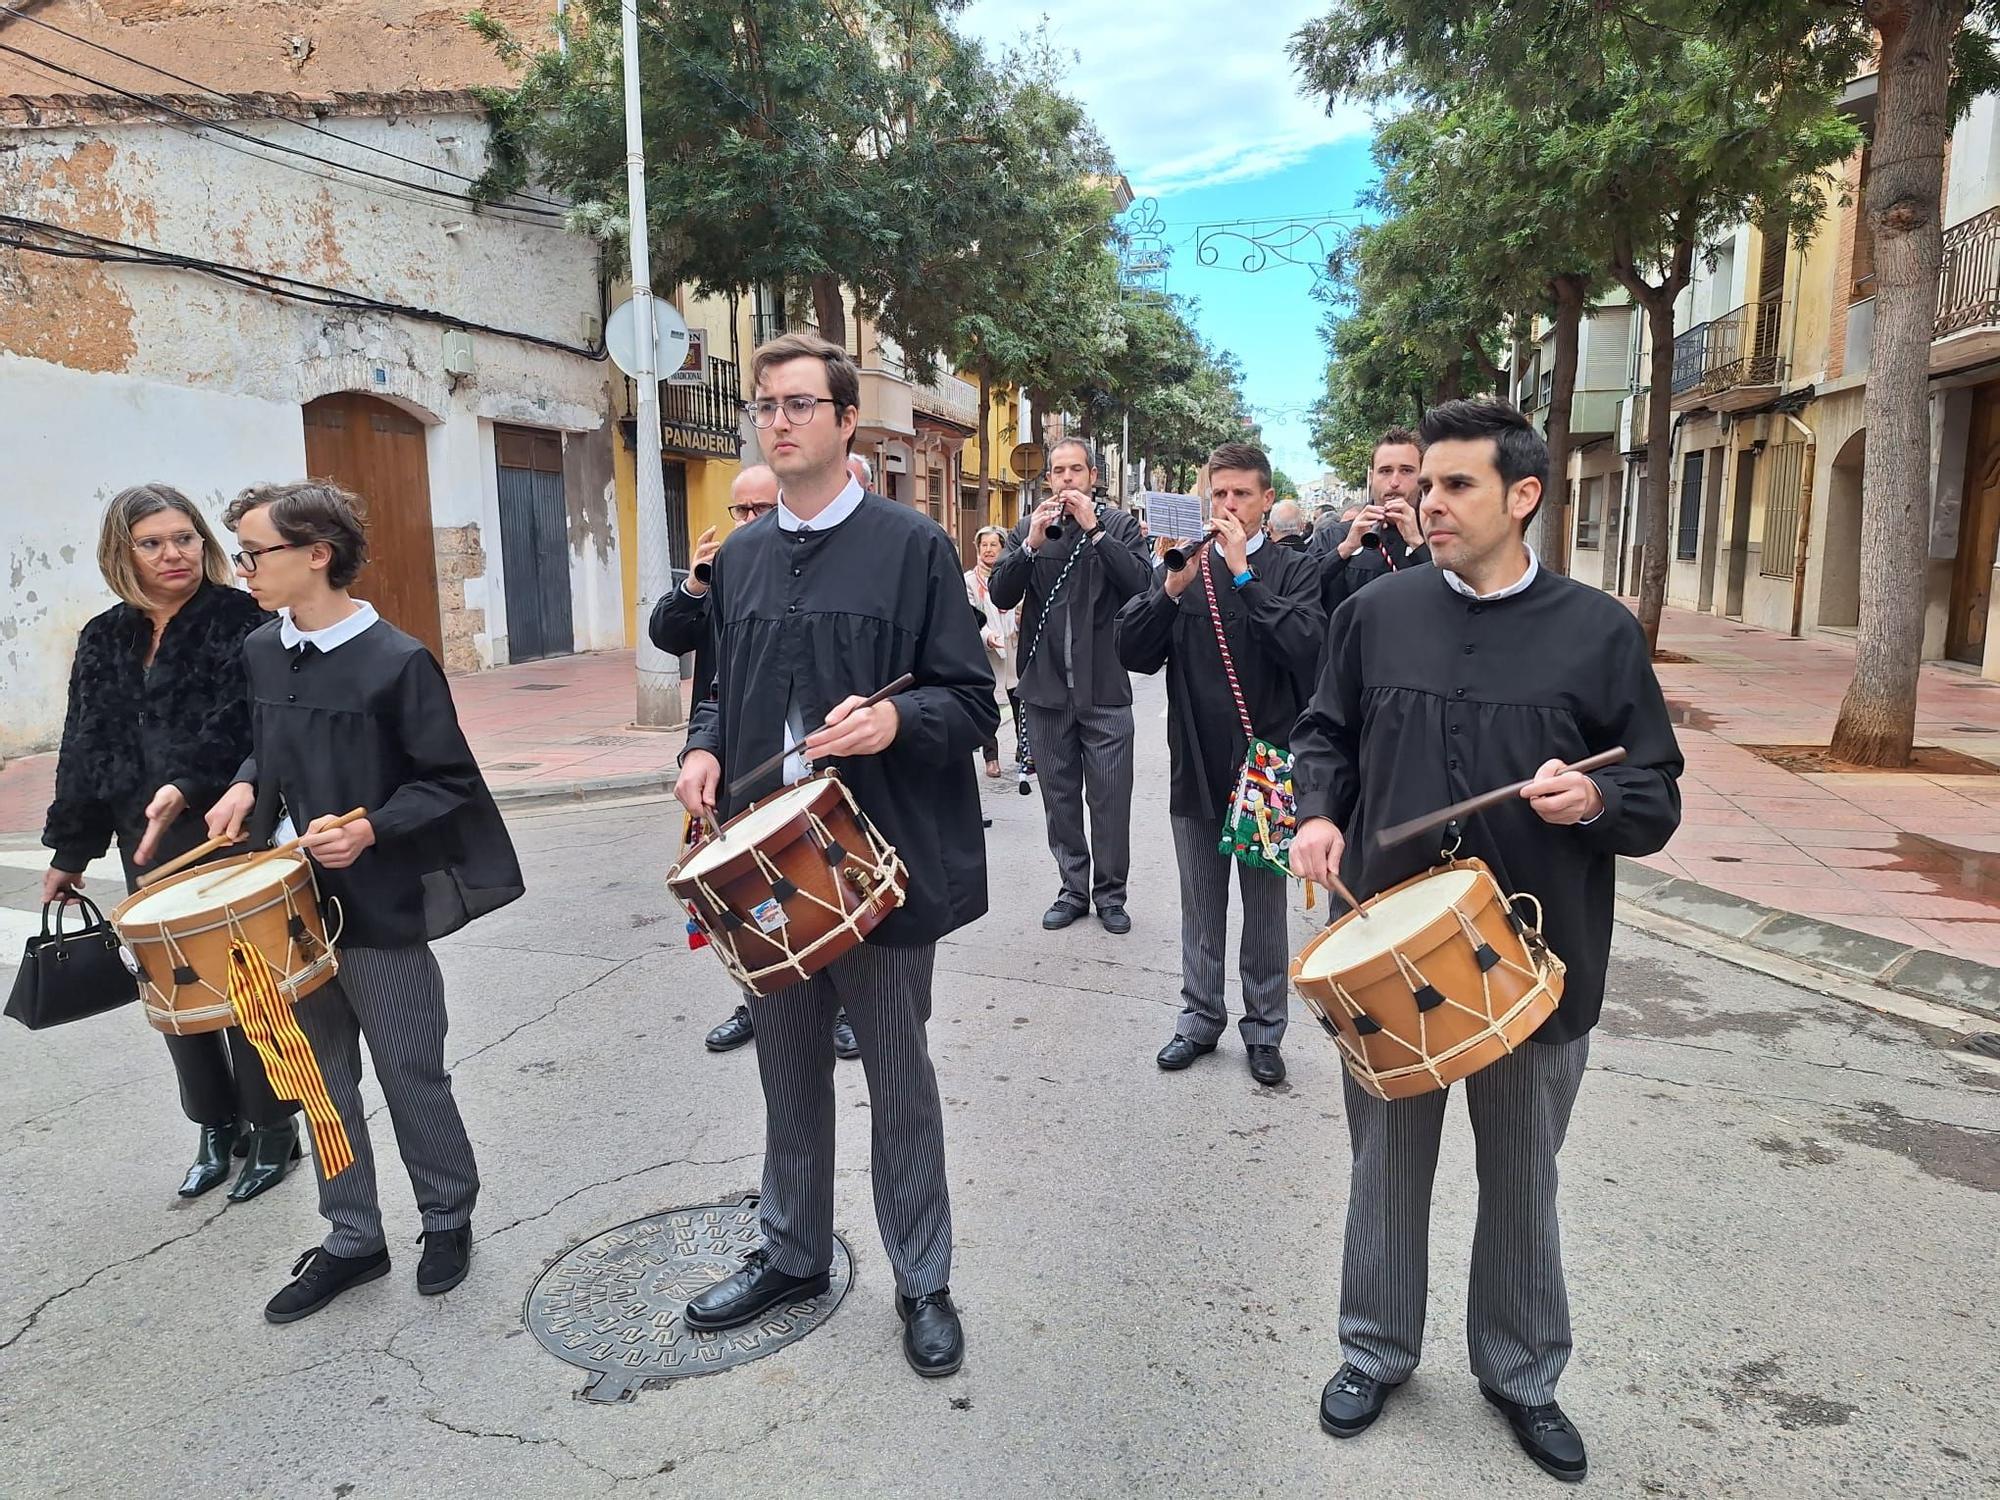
1780,1209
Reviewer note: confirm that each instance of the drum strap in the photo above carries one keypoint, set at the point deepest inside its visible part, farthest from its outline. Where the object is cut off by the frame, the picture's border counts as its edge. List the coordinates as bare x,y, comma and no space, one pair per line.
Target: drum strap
273,1029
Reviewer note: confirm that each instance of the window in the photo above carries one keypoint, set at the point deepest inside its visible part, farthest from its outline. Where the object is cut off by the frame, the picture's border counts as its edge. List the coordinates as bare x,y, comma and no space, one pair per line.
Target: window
1784,482
1589,517
934,494
1688,542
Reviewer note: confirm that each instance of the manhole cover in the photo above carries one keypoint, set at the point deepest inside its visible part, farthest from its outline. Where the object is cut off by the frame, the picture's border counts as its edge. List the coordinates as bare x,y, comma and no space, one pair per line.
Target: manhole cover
538,687
613,1304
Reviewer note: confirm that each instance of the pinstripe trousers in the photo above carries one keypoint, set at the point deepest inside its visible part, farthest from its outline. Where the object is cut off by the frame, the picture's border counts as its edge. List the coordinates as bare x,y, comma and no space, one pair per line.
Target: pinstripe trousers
394,997
887,993
1517,1307
1264,948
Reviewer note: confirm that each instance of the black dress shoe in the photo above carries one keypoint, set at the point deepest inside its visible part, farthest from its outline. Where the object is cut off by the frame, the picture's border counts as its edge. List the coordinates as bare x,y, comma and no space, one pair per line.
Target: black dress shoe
211,1159
933,1339
273,1149
748,1295
1351,1402
1115,920
1545,1435
844,1044
322,1276
732,1033
447,1255
1181,1051
1059,916
1267,1064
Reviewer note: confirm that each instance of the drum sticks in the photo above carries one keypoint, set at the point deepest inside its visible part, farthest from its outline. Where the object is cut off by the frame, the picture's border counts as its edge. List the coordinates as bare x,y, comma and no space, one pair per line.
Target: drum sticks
290,846
1484,800
194,855
766,767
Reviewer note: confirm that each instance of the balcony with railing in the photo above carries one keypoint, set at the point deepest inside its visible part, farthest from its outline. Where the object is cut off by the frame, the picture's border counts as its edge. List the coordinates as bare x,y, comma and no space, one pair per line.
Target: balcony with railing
765,326
1967,330
703,420
1732,361
948,398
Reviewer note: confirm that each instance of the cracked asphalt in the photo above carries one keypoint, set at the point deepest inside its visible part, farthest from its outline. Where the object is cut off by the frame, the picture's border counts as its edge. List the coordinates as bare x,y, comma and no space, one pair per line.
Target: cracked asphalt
1782,1219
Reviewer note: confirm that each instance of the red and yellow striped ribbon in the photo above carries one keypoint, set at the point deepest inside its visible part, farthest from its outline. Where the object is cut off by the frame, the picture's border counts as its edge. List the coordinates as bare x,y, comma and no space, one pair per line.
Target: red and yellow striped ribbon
288,1057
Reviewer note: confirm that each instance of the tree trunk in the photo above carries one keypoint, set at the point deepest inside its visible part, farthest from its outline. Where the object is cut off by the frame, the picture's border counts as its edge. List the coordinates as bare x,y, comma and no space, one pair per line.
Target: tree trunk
828,310
1659,466
1551,530
985,438
1494,377
1878,717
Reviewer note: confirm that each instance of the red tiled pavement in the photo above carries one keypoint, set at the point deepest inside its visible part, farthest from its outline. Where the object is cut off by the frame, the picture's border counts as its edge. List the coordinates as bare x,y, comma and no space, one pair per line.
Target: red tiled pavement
543,724
1909,857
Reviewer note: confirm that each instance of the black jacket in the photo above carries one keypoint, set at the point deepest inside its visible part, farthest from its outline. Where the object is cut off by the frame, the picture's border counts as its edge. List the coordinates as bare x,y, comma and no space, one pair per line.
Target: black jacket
130,731
371,724
1427,697
1117,566
1275,631
808,618
680,625
1343,577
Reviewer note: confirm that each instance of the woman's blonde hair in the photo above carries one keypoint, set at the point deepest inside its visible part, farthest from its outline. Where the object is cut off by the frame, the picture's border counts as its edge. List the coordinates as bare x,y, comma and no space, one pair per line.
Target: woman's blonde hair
117,553
984,532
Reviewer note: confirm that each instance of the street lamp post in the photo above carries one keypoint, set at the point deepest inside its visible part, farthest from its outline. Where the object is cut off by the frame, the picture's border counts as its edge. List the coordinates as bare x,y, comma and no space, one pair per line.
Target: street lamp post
659,673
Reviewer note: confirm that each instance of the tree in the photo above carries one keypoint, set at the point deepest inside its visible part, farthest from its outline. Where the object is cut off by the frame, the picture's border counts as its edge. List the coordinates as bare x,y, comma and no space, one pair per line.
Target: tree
1662,132
1283,486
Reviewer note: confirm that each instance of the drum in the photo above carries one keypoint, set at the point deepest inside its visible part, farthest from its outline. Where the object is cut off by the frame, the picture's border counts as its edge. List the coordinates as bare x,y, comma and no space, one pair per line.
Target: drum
177,936
790,883
1442,978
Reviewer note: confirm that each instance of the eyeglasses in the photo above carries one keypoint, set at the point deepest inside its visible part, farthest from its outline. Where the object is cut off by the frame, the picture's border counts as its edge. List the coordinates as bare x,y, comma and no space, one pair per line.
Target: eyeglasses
247,558
798,409
180,541
742,513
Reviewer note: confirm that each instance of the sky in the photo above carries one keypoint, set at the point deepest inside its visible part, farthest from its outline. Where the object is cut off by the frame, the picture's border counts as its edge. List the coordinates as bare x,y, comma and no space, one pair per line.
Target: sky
1200,105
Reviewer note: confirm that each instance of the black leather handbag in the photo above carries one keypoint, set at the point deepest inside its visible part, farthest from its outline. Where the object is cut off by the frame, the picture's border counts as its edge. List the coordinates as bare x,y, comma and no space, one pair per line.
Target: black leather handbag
66,976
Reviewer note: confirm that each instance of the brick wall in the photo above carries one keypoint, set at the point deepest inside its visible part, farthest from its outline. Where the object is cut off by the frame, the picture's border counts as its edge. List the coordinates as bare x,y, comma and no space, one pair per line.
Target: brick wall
459,557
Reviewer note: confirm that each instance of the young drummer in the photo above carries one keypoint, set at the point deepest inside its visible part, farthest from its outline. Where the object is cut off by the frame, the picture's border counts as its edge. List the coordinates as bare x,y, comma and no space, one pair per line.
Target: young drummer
347,711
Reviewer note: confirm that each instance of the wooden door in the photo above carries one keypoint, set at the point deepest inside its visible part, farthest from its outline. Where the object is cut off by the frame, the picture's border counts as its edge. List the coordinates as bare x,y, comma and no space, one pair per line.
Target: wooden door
1978,529
377,451
534,543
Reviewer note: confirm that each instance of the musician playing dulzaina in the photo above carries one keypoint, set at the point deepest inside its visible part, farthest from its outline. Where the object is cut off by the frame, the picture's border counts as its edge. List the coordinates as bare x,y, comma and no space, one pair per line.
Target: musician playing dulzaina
838,594
1268,600
1439,683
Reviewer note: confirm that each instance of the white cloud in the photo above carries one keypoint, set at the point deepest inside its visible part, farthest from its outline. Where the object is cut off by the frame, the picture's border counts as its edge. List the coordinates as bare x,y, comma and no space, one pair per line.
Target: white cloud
1190,94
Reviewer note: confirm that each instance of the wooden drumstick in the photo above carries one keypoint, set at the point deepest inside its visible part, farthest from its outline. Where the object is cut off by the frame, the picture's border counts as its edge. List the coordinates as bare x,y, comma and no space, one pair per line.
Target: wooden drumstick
1484,800
193,856
1335,884
290,846
765,767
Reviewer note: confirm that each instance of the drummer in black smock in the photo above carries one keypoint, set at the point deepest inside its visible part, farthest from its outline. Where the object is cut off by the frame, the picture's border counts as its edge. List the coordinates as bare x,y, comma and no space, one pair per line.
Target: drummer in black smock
837,595
1439,683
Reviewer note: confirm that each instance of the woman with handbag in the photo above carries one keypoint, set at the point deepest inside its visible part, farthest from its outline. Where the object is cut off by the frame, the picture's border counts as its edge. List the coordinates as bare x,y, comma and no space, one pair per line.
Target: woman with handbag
1238,629
158,724
1000,631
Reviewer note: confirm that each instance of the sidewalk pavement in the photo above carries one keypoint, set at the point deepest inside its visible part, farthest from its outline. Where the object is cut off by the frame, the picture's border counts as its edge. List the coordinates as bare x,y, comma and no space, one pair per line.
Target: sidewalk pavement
1891,877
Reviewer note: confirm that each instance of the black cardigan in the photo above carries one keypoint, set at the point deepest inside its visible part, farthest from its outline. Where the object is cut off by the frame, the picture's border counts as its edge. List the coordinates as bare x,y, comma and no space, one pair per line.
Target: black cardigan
130,731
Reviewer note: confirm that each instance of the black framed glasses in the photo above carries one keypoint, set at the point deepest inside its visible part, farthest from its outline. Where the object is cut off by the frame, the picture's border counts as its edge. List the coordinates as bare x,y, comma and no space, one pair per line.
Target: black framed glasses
247,558
798,409
742,514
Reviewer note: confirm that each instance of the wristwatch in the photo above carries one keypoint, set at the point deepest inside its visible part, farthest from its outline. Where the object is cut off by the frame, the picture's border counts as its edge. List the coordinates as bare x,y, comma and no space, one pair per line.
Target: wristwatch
1242,578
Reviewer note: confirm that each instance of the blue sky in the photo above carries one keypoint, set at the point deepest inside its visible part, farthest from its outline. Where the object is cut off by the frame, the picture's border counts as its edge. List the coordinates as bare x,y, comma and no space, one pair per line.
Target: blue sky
1199,102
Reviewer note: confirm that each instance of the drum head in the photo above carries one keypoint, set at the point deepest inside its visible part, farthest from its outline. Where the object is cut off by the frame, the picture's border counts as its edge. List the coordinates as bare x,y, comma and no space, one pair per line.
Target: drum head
749,829
210,888
1392,921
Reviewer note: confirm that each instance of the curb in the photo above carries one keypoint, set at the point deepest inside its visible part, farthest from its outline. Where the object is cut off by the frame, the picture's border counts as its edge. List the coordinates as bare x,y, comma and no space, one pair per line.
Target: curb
592,789
1920,973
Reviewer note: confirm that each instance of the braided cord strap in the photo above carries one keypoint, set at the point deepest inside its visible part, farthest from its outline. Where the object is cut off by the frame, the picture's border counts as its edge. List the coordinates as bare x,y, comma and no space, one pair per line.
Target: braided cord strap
1262,814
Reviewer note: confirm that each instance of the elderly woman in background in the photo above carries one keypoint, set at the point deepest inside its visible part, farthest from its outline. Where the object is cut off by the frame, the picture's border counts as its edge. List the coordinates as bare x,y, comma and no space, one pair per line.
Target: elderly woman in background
158,724
1000,629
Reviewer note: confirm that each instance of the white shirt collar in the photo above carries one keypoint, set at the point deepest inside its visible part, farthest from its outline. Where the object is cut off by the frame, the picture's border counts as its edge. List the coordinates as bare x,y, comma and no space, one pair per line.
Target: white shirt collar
1518,586
1250,548
844,505
337,634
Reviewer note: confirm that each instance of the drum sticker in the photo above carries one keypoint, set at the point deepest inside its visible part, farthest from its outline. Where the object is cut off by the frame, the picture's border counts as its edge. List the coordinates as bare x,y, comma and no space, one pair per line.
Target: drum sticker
769,915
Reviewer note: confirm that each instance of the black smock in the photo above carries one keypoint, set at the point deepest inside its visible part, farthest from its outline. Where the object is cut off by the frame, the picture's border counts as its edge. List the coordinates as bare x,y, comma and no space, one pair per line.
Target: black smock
1343,577
1275,629
1427,696
805,619
1075,662
371,724
132,729
680,625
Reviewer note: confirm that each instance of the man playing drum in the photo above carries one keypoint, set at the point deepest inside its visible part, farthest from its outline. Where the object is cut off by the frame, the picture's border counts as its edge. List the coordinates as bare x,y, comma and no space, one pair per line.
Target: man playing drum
1439,683
836,596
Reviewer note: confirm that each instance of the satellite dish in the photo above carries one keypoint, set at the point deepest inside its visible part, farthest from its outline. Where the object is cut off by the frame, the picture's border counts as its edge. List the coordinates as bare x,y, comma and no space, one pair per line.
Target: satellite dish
670,339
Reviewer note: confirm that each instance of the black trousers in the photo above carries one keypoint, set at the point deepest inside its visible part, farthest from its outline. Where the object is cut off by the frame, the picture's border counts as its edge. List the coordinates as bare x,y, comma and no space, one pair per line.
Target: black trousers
991,749
221,1077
